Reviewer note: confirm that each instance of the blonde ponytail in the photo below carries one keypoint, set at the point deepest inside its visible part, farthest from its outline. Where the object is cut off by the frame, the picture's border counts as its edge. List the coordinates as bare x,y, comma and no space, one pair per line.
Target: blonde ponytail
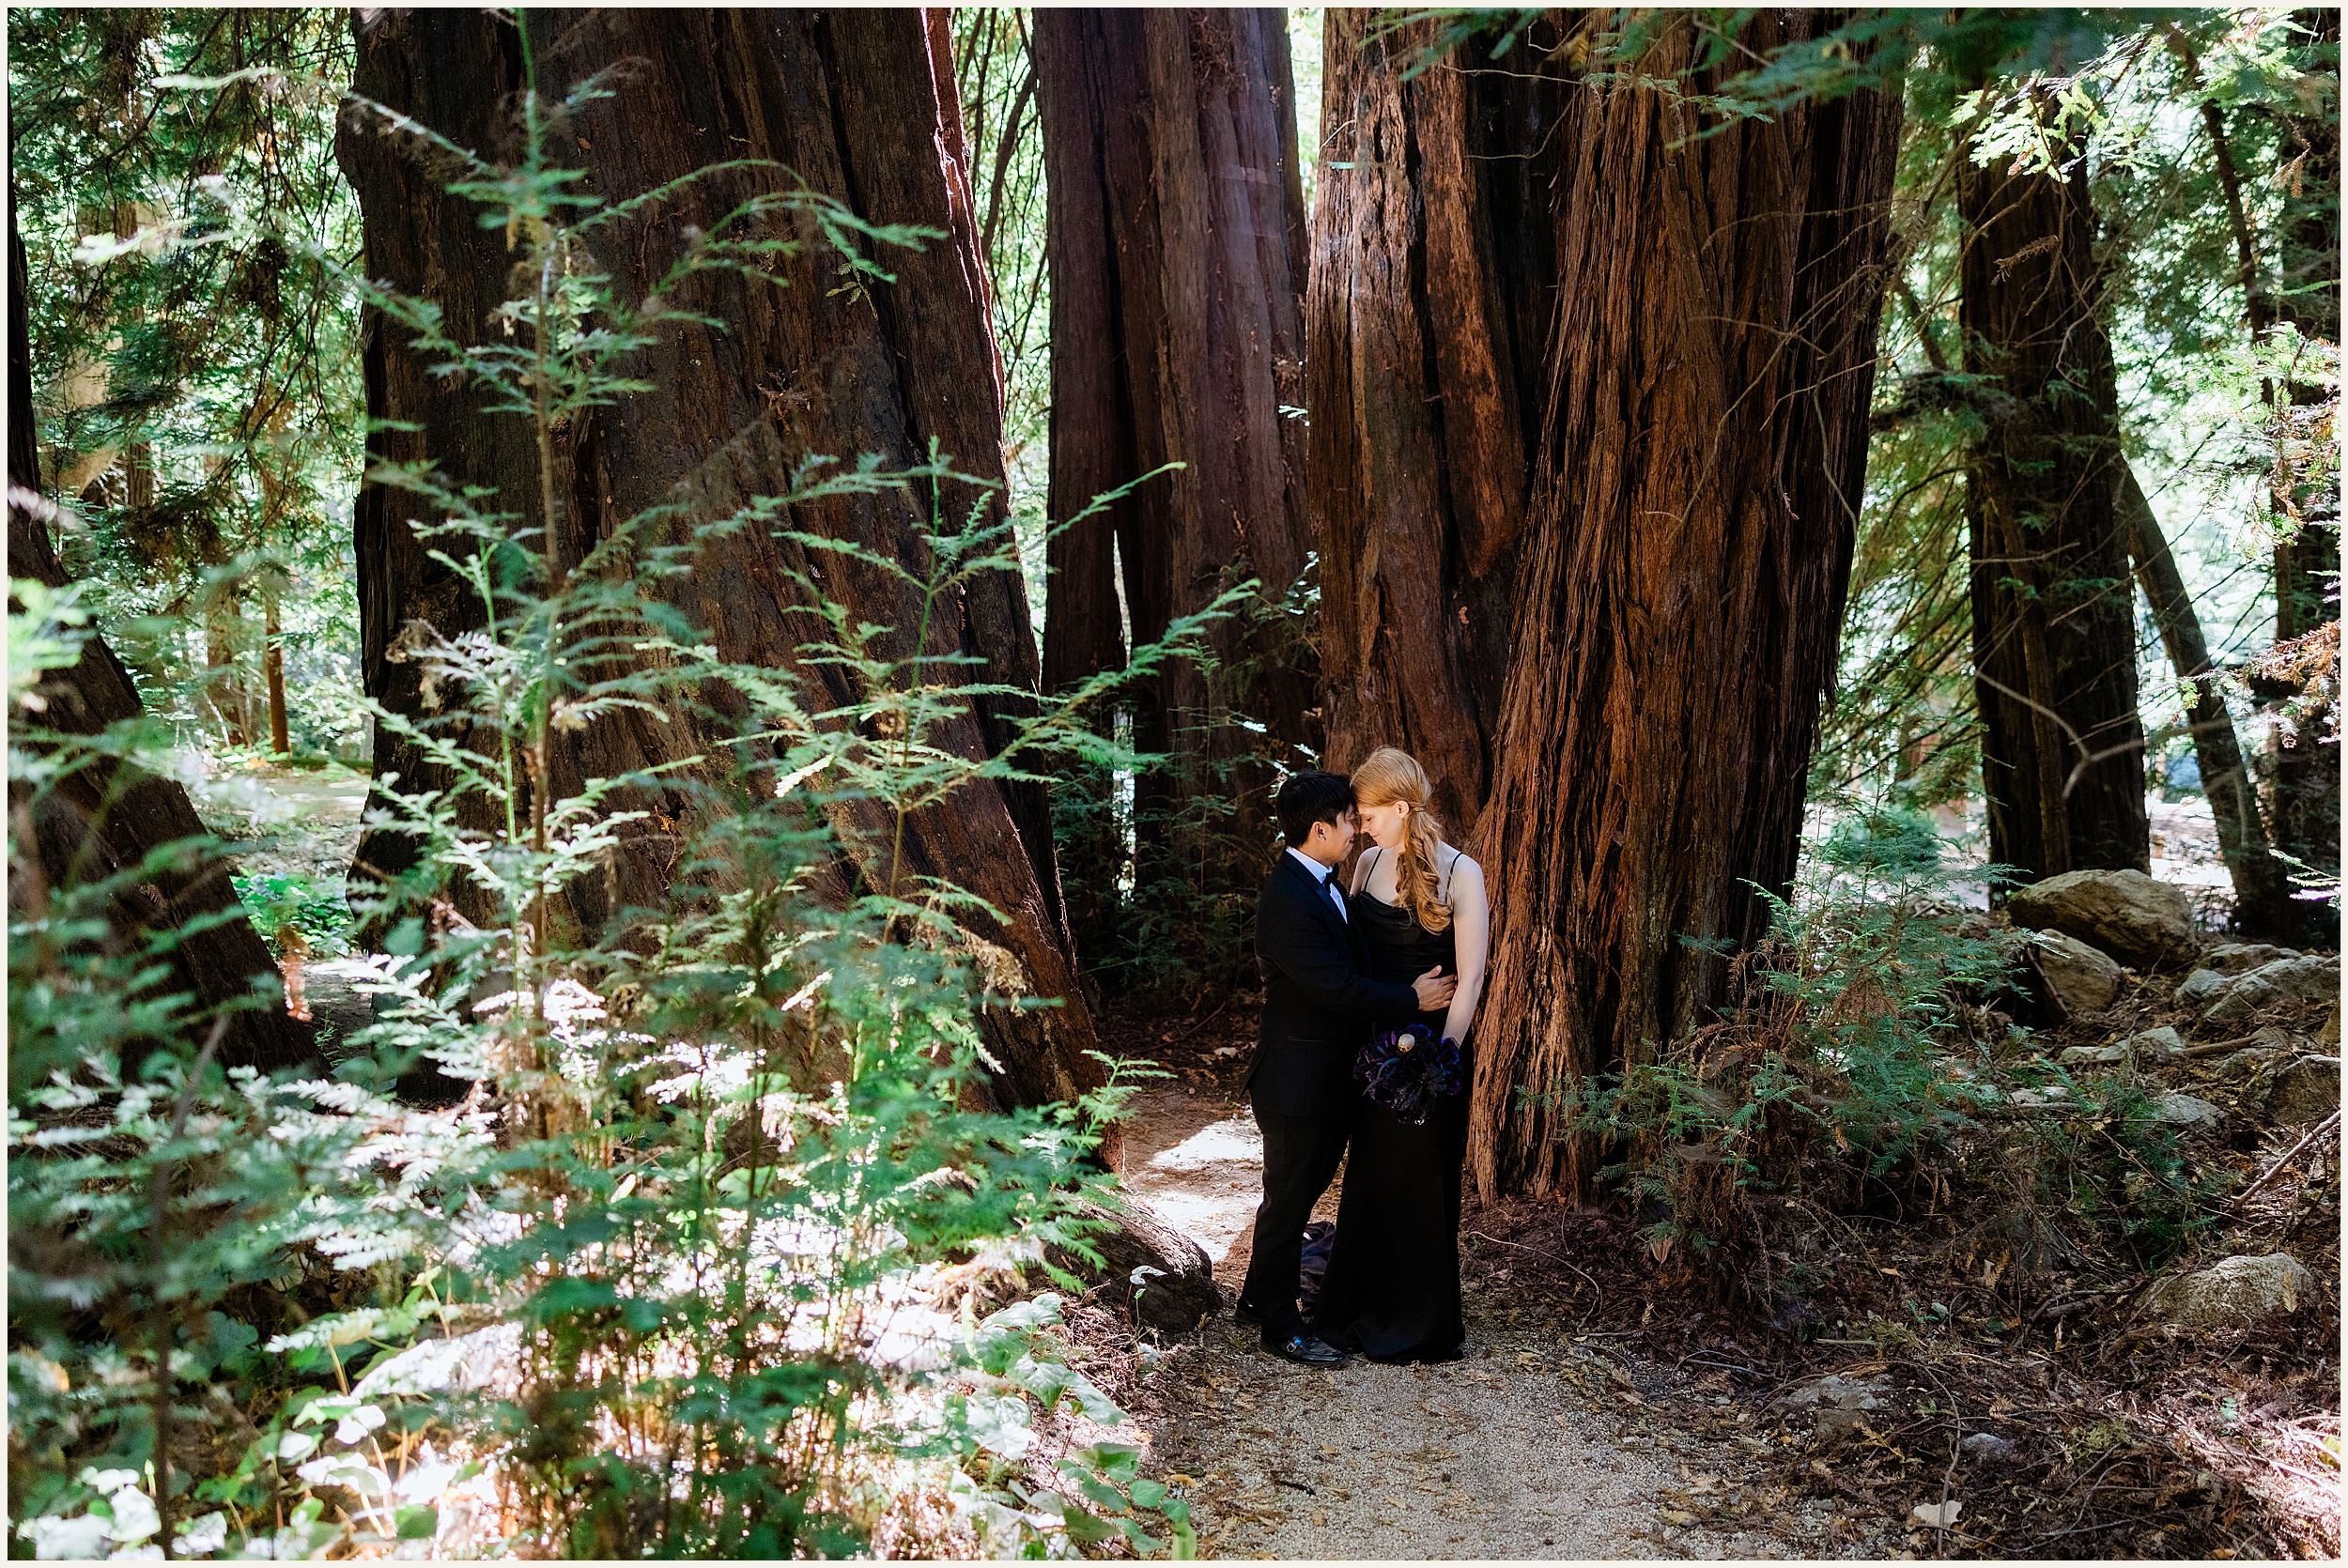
1389,778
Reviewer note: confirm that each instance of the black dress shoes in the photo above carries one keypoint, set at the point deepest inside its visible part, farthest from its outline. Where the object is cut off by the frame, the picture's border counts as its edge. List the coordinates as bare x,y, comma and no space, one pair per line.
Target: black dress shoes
1308,1350
1247,1315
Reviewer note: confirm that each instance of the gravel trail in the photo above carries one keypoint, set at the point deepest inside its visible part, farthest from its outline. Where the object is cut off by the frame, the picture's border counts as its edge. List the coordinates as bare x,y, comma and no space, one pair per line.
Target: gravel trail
1541,1443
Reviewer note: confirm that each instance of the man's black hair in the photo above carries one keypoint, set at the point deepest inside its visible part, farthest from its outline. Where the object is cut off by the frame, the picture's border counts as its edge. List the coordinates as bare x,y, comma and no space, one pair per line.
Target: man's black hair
1307,798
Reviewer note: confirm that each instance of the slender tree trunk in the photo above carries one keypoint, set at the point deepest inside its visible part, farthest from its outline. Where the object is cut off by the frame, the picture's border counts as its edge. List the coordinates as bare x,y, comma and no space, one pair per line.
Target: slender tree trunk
2262,898
273,662
852,103
1590,398
106,818
1433,290
1175,237
2054,625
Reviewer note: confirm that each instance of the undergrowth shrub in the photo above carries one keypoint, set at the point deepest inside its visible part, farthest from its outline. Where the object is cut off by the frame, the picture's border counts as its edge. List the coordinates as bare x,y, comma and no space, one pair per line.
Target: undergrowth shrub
1830,1071
666,1280
1860,1067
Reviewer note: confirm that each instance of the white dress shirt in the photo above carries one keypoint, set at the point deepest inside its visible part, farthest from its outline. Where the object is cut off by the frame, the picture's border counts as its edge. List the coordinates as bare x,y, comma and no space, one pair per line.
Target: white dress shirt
1326,876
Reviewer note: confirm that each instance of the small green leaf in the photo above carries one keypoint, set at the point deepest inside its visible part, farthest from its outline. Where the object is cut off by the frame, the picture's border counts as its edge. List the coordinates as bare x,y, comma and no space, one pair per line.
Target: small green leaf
1148,1493
420,1523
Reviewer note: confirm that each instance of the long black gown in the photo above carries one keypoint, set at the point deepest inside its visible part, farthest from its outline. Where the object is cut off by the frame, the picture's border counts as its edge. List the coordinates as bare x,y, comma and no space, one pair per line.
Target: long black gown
1392,1292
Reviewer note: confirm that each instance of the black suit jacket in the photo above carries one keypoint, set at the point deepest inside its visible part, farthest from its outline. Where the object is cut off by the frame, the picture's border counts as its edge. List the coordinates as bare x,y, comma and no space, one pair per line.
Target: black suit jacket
1319,1005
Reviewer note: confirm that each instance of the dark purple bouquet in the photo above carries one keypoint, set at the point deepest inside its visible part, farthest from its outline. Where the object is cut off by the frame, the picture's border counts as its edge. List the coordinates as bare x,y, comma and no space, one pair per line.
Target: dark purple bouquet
1408,1069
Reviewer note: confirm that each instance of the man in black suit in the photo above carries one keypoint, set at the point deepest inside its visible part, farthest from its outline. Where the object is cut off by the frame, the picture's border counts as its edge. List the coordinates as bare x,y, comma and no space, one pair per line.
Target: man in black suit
1320,1006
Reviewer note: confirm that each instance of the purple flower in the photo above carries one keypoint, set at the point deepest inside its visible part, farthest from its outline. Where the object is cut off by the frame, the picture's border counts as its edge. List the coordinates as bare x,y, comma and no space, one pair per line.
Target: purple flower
1408,1069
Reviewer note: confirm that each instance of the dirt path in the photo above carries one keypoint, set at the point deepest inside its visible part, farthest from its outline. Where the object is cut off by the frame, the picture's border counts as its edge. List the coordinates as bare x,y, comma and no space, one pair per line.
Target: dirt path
1545,1442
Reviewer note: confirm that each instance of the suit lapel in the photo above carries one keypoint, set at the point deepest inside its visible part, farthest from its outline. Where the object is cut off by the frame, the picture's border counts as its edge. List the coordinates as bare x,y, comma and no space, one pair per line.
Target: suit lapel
1320,902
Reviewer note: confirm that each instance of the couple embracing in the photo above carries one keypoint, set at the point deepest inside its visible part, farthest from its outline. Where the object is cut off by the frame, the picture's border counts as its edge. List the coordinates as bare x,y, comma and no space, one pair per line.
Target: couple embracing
1369,986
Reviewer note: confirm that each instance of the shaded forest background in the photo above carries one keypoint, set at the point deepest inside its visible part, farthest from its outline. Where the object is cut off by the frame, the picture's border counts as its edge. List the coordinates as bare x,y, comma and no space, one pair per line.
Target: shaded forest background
781,498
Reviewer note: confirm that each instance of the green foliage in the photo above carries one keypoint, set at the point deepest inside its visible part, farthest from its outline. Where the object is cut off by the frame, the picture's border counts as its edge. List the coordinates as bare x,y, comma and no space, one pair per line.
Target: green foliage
1833,1068
321,914
196,365
662,1282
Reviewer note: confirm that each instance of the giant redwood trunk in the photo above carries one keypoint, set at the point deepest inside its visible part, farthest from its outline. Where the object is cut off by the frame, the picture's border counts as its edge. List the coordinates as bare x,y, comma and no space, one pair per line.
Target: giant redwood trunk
1597,589
2305,791
1432,301
2054,623
1175,237
108,818
859,105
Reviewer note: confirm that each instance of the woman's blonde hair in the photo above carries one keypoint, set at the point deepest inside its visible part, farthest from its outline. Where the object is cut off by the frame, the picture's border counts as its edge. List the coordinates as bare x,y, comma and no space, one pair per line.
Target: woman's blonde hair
1389,778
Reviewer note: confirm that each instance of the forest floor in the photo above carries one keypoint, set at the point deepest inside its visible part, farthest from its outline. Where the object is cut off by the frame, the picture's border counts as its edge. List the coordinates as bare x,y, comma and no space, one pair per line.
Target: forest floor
1612,1406
1553,1438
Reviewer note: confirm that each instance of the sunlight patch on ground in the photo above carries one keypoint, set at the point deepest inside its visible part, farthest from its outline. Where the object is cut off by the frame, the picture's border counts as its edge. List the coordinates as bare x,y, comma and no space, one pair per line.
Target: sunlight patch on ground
1206,1186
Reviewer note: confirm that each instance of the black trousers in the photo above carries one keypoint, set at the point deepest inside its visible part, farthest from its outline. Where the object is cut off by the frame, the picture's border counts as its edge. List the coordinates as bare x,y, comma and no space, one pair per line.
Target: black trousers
1300,1155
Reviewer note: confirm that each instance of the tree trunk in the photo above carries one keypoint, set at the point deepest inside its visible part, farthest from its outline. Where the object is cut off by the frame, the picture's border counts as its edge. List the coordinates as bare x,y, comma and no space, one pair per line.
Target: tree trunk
853,103
2262,905
2305,756
107,818
273,665
1175,236
2054,625
1430,311
1676,336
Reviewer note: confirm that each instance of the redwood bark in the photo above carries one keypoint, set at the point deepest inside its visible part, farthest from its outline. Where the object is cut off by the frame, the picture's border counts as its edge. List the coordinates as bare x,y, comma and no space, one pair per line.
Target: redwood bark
2054,623
1590,399
1175,237
106,819
1433,298
852,102
2305,792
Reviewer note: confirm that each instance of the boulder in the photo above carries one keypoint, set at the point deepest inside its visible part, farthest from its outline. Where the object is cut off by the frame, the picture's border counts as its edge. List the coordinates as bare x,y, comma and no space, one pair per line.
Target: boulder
2074,978
2200,987
1160,1275
2153,1045
1836,1405
2329,1034
2186,1111
2238,958
2304,1090
2285,983
2235,1293
1987,1448
2126,914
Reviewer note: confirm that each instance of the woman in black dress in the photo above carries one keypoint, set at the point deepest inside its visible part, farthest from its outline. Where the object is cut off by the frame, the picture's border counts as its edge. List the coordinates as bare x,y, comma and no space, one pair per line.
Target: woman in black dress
1392,1292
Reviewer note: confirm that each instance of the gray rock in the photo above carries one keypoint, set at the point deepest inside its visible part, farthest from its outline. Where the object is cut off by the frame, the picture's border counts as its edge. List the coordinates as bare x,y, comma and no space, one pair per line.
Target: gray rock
2284,983
2239,957
2232,1294
2200,987
2126,914
2153,1045
2304,1090
1837,1406
2077,979
2039,1098
2267,1047
2186,1111
1987,1448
